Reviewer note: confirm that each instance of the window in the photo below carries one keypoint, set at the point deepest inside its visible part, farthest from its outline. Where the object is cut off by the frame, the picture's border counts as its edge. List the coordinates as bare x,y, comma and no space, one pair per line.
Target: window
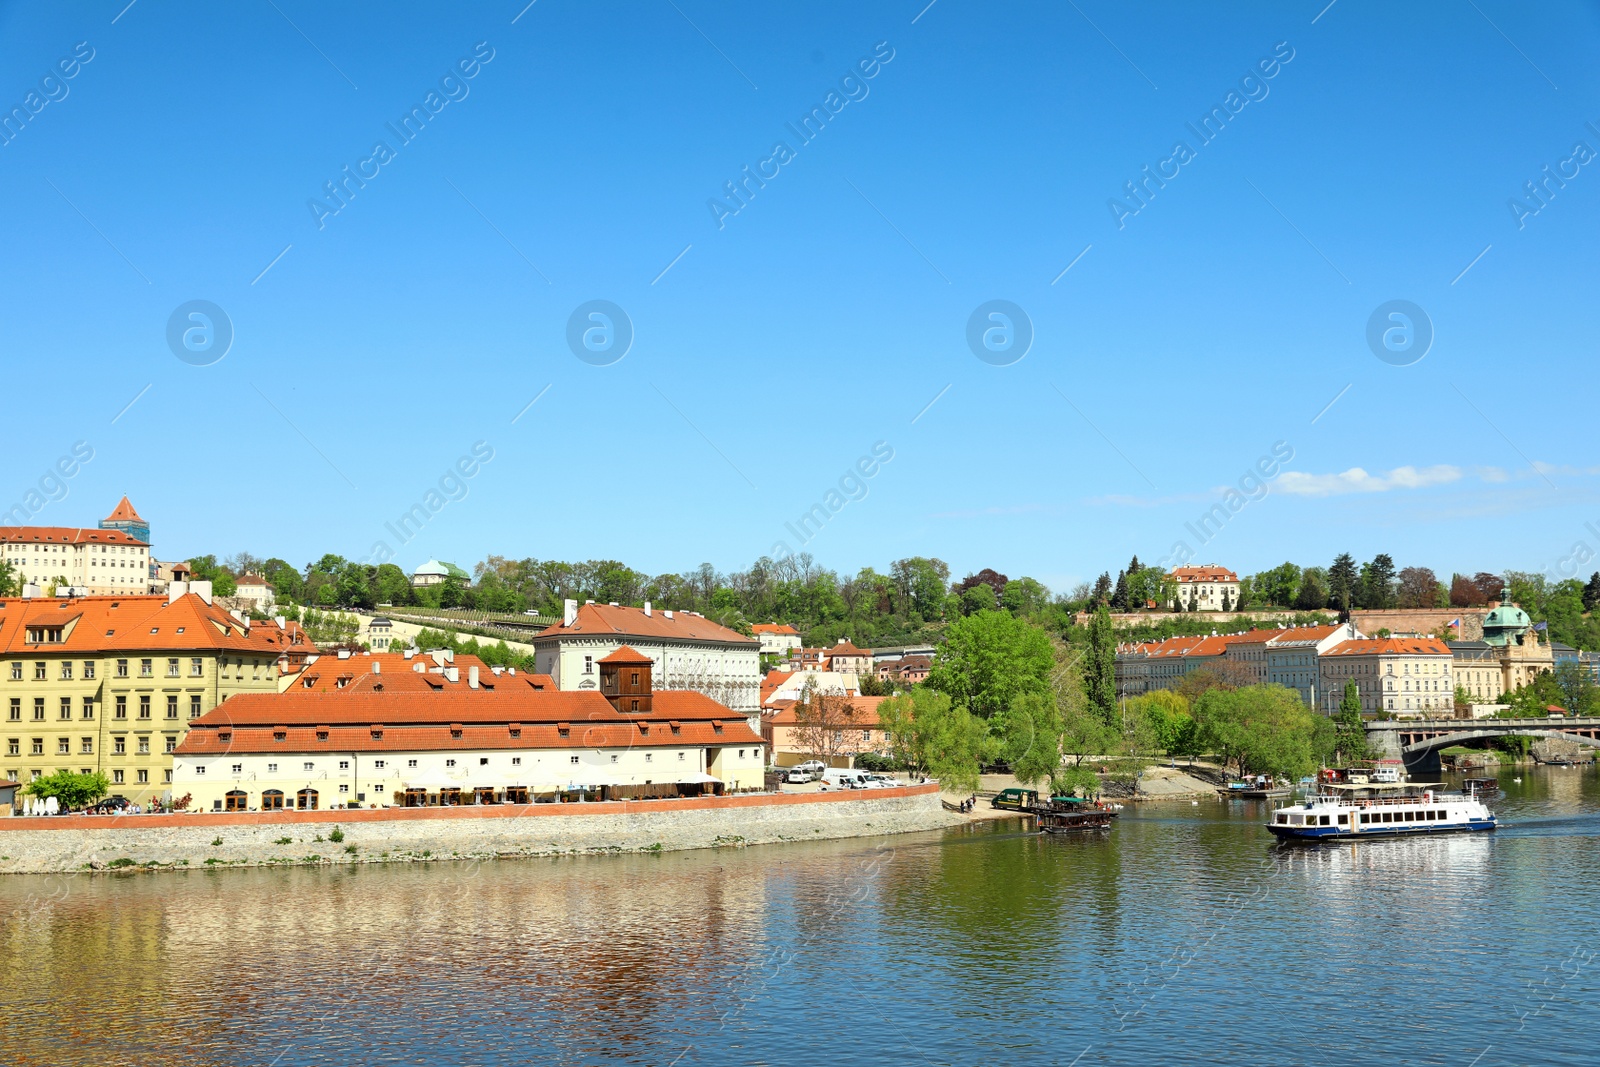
122,668
310,766
516,761
680,757
197,667
116,777
172,706
88,670
588,665
16,709
119,745
16,670
613,757
122,708
66,670
449,763
66,708
144,707
194,706
38,672
272,768
574,759
37,747
146,668
13,748
166,775
411,763
649,757
344,787
86,746
63,746
378,763
238,768
172,743
378,788
38,709
143,776
88,707
344,765
172,668
144,746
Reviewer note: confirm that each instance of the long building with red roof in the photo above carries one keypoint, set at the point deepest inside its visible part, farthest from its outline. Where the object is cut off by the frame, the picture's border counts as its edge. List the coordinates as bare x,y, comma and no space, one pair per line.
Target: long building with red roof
112,559
505,741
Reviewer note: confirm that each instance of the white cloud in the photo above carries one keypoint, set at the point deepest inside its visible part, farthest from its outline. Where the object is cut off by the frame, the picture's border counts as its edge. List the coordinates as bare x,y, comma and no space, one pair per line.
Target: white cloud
1356,480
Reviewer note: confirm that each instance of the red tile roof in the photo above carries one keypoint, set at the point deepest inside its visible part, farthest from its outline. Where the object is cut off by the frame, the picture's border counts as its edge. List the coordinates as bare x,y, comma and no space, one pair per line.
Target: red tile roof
70,535
865,717
444,736
123,512
132,624
1391,646
625,655
775,628
772,681
1203,574
606,621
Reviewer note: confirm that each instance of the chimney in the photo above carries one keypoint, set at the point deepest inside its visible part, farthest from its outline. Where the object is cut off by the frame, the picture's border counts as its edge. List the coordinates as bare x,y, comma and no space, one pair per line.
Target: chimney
237,614
377,667
408,653
472,677
201,590
569,612
283,623
344,653
452,674
647,609
175,590
668,613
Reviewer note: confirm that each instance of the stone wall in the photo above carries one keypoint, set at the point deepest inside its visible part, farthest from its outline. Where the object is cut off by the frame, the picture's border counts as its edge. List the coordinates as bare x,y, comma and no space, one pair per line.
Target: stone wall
73,843
1421,620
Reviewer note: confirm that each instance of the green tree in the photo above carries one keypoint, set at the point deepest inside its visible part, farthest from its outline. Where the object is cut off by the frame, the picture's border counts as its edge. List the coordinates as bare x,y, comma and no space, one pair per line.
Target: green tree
988,659
933,736
1351,738
1100,668
1167,714
1032,737
1259,729
1377,583
1532,700
71,790
1278,587
1313,592
10,584
1343,581
1025,596
1580,696
976,598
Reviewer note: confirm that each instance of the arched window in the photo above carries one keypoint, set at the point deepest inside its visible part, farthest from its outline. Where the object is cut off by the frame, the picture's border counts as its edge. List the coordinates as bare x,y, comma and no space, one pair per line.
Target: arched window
235,800
306,799
272,800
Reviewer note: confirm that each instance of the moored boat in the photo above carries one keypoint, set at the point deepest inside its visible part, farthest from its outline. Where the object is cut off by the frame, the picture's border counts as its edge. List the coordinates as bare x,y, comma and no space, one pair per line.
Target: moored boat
1380,810
1065,815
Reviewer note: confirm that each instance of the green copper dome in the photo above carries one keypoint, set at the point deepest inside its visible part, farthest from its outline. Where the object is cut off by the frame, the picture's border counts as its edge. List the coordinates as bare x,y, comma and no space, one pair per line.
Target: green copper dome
1505,622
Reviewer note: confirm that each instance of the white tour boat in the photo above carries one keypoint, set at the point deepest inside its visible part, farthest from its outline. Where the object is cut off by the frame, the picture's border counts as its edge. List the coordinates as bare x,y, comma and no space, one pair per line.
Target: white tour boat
1381,810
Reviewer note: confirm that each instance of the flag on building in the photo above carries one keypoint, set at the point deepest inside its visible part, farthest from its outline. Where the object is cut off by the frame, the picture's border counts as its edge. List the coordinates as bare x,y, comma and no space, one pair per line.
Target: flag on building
1455,622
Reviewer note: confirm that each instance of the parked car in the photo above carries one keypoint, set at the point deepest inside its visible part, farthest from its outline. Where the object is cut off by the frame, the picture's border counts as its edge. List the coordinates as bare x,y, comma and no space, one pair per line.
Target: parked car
109,806
815,766
844,777
800,775
880,781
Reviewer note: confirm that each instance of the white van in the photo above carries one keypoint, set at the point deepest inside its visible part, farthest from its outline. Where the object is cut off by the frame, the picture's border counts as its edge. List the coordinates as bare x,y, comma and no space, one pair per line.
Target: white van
844,778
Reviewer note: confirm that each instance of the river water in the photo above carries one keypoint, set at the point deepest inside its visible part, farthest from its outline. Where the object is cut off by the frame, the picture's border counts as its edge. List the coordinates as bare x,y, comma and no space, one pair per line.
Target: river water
1183,936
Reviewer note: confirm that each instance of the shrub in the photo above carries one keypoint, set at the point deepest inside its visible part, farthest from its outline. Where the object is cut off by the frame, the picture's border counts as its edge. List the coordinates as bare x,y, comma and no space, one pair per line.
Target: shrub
336,836
350,849
216,842
284,841
122,861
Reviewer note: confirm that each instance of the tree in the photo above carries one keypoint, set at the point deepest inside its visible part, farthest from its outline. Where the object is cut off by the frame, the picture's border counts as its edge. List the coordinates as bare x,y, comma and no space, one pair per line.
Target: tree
976,598
1419,588
821,720
1490,586
1227,605
1099,671
1351,739
1313,592
1531,700
10,584
1102,591
1580,696
1260,729
71,790
1278,587
1377,583
1032,738
1465,593
1119,594
1024,596
933,736
988,659
1342,581
1591,592
1167,715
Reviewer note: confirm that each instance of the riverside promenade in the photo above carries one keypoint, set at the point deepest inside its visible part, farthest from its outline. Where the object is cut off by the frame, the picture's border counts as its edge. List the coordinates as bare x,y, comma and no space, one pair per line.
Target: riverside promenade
64,843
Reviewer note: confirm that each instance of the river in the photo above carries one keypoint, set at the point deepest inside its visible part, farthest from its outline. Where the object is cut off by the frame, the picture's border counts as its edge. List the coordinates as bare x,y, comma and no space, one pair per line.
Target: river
1183,936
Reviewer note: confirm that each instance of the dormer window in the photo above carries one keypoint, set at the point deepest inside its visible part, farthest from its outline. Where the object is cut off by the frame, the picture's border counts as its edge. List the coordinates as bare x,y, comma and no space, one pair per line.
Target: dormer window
564,729
322,735
279,735
377,735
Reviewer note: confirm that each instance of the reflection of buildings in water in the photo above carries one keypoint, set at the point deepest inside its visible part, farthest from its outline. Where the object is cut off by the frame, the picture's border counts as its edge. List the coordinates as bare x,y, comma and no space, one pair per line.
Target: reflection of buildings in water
1563,788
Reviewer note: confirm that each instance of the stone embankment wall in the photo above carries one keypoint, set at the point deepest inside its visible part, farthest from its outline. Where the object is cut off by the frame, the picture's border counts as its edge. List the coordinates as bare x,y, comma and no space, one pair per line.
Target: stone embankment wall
73,843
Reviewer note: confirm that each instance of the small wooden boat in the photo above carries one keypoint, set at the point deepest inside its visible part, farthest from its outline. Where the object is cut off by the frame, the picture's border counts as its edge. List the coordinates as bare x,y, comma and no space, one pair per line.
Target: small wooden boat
1067,815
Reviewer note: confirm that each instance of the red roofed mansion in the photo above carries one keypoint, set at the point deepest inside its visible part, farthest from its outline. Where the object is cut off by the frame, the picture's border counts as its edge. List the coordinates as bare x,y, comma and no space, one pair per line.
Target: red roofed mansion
1208,588
687,651
109,559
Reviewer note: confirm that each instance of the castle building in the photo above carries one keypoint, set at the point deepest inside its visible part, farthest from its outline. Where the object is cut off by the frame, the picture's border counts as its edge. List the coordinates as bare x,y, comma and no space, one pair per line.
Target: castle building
110,559
1509,657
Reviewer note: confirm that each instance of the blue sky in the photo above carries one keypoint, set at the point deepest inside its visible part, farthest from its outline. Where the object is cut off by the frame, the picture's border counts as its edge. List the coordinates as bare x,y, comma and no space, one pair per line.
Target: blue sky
769,354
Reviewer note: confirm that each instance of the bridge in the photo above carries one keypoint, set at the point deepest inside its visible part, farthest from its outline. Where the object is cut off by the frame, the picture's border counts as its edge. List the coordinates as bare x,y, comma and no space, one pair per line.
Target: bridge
1418,740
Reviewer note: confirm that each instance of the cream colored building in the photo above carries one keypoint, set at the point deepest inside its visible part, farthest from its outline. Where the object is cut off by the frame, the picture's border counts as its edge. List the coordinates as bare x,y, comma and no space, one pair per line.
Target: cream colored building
1208,588
687,652
99,562
1402,676
1510,656
111,683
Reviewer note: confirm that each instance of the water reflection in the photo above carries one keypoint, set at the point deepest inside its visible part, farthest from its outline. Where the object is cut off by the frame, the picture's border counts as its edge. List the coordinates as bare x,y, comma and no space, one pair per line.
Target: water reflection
1180,936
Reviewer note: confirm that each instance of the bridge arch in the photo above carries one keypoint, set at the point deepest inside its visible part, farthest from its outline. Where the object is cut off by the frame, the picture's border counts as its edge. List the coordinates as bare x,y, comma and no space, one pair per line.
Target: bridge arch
1420,748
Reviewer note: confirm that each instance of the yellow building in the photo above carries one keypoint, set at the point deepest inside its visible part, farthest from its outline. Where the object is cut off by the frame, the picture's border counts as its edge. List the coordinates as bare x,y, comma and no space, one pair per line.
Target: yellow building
109,683
112,559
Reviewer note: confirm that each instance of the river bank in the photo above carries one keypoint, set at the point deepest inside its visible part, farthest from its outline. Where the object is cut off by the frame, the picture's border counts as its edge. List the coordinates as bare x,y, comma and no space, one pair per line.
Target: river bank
61,844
